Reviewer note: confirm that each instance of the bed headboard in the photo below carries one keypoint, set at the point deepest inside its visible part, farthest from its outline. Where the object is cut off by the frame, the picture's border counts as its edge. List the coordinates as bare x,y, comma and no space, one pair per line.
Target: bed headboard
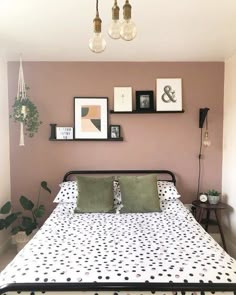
163,173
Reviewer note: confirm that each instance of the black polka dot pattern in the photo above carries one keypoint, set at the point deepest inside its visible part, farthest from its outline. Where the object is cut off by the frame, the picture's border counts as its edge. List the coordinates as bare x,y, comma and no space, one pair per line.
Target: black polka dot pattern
69,192
167,190
133,247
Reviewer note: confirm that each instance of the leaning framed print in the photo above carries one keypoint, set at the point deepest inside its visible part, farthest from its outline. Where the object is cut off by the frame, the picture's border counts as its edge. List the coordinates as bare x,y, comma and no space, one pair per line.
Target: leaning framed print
90,117
144,101
123,99
64,133
114,131
169,94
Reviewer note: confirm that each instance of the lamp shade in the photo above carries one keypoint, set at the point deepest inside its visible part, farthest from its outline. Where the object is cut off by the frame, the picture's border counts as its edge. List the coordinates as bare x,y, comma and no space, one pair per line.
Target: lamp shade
202,116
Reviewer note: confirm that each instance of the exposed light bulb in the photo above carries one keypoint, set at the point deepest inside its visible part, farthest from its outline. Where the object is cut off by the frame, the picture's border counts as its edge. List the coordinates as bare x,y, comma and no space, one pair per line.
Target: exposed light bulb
114,29
97,43
206,141
128,28
115,26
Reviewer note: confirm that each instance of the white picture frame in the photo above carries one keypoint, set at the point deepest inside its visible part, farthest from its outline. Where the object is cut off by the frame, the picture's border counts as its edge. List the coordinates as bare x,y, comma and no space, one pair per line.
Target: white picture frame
122,99
169,94
90,117
64,132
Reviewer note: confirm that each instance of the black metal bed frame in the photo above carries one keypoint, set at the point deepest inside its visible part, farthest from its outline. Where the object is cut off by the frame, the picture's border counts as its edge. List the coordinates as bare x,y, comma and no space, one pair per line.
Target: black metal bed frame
116,287
117,172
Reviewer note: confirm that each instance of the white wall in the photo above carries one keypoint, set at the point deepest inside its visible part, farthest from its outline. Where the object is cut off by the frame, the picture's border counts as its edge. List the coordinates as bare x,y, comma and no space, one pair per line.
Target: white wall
4,146
229,153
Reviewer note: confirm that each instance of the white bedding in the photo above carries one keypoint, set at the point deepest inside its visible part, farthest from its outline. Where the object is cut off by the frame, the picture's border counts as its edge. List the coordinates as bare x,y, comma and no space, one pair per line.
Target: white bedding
137,247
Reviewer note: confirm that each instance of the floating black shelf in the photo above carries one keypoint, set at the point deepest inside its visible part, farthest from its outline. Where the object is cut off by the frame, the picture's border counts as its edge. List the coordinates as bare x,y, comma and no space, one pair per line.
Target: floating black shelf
146,112
90,139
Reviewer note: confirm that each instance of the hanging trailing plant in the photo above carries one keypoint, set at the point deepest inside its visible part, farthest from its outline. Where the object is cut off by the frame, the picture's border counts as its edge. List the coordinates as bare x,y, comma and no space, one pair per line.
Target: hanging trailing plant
26,112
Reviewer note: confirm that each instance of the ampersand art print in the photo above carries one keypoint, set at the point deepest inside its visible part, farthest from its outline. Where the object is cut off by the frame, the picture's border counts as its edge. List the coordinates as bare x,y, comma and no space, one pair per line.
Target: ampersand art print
169,94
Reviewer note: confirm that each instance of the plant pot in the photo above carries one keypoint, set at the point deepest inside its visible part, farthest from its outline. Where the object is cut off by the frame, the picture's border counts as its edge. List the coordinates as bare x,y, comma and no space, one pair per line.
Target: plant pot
213,200
21,239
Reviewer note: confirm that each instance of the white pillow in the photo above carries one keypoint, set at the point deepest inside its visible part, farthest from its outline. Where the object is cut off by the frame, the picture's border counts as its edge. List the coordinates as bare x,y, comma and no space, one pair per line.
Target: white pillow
69,191
167,190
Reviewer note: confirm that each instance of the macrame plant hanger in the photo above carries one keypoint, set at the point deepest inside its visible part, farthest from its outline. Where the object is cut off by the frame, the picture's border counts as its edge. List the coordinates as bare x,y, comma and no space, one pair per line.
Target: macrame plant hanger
21,95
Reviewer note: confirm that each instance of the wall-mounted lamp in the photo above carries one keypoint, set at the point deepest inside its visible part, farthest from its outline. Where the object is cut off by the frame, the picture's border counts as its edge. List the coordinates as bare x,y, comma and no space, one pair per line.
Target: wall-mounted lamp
204,141
203,118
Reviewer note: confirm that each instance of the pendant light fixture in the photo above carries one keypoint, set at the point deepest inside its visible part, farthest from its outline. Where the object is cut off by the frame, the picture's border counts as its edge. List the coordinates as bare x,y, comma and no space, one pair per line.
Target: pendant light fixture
115,26
97,43
125,30
128,28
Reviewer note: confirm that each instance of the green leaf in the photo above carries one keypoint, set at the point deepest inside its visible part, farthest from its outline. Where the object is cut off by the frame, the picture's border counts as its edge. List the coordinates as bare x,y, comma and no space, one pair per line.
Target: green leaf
39,212
31,120
26,203
16,229
10,219
44,185
27,221
2,224
28,231
6,208
28,224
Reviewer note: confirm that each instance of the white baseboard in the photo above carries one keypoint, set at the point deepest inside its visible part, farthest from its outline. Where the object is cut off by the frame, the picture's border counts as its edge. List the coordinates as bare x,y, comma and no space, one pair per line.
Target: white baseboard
5,245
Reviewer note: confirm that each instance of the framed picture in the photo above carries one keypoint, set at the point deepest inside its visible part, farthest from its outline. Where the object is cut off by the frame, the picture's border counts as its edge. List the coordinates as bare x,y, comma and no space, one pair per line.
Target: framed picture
144,101
64,133
123,99
114,131
90,117
169,94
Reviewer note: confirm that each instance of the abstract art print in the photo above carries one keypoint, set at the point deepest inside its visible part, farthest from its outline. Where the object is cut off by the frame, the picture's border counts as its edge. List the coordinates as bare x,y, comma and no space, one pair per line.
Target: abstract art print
91,117
169,94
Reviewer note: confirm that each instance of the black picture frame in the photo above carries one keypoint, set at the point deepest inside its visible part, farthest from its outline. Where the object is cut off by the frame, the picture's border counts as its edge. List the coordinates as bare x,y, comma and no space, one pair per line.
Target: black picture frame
145,101
114,131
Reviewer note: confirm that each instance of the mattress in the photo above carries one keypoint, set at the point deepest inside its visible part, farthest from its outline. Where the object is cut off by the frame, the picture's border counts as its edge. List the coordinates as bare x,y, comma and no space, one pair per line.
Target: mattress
169,246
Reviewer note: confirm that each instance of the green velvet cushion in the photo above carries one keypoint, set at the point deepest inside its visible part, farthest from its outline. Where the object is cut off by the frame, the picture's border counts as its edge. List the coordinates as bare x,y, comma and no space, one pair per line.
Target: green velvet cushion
139,194
95,194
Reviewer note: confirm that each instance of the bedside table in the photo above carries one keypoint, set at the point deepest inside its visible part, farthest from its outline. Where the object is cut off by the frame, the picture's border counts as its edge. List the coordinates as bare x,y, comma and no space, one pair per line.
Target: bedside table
208,208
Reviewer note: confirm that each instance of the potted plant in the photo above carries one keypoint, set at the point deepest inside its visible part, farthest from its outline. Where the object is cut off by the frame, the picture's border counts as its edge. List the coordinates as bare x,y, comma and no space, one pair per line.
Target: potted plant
23,223
26,112
213,196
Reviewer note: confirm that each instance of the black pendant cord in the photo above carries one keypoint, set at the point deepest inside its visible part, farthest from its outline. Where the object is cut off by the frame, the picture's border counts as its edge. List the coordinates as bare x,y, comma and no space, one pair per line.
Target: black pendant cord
97,7
199,165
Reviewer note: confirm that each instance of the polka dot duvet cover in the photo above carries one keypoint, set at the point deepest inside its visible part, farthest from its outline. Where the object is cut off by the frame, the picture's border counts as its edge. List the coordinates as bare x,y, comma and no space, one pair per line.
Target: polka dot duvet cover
136,247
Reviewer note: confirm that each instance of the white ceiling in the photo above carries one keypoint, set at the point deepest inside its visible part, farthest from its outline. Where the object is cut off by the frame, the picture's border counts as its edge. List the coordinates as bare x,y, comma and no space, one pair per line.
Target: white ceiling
168,30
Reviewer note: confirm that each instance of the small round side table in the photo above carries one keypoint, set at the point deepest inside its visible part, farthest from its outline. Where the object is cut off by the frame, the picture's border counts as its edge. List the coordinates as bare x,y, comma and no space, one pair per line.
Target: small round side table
208,207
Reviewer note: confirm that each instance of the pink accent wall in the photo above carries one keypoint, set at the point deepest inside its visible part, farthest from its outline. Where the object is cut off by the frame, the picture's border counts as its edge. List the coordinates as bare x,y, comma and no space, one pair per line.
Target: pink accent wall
153,141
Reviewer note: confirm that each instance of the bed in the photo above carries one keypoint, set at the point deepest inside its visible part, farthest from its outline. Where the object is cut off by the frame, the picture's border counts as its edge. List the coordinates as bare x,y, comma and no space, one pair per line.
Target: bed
165,252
